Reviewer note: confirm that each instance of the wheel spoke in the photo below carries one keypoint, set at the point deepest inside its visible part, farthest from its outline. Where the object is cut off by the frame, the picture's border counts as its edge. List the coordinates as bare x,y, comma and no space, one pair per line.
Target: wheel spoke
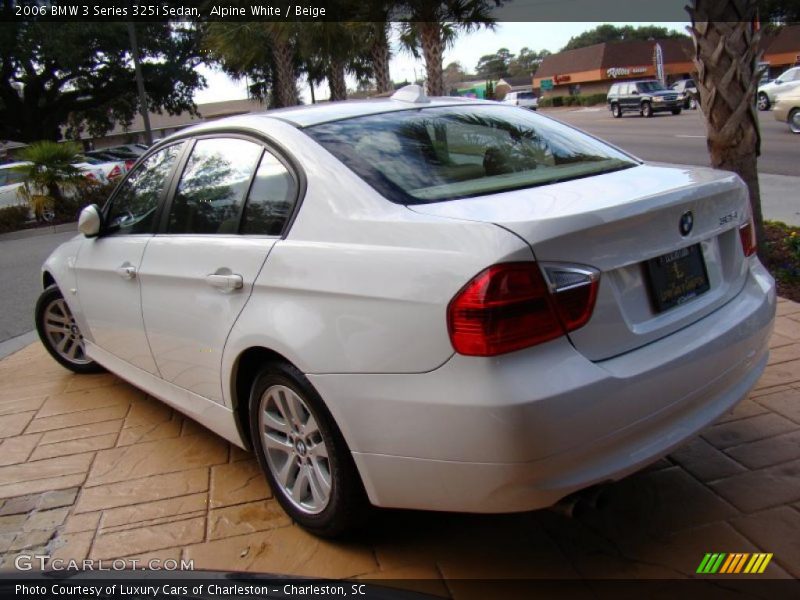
320,450
73,349
300,484
285,472
321,477
316,485
280,402
272,422
296,410
55,318
50,328
274,443
310,428
61,346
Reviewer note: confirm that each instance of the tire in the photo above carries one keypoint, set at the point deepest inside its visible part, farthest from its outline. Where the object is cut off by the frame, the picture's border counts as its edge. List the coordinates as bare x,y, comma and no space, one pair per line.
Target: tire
647,110
676,111
60,334
616,111
283,403
763,101
794,120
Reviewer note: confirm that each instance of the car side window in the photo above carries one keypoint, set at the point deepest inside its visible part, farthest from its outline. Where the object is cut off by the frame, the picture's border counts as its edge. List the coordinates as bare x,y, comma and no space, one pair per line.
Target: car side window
212,188
271,198
134,206
623,89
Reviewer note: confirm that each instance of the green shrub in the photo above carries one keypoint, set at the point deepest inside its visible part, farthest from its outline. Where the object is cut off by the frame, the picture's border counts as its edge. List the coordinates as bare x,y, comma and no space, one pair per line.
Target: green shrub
13,218
587,100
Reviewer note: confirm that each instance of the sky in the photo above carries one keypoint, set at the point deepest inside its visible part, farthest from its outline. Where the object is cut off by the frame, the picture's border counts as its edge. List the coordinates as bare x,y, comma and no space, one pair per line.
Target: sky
467,49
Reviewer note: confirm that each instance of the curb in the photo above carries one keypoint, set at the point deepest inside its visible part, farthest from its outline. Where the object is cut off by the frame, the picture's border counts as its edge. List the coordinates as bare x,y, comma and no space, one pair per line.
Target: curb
15,344
35,232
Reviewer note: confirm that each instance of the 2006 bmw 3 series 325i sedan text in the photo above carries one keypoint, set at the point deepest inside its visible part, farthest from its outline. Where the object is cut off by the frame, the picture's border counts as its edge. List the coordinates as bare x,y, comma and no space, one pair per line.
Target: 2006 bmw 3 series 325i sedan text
416,302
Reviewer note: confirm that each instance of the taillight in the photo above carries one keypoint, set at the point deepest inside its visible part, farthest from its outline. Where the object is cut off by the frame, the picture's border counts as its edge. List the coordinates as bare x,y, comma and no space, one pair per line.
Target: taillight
115,172
747,233
510,306
129,164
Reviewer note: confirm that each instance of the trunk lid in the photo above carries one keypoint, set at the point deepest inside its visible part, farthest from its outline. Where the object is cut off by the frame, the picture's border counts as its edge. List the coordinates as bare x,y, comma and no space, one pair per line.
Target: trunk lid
615,223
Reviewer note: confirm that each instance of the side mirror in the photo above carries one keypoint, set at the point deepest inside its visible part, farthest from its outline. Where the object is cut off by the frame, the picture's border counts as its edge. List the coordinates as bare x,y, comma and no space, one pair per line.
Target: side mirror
90,221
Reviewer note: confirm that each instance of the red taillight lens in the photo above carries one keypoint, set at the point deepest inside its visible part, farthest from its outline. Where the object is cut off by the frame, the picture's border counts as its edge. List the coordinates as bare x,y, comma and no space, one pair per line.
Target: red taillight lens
115,172
747,233
509,306
129,164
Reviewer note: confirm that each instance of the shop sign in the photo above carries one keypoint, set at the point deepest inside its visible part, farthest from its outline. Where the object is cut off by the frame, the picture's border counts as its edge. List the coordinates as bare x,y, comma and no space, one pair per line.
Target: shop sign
546,84
561,79
614,72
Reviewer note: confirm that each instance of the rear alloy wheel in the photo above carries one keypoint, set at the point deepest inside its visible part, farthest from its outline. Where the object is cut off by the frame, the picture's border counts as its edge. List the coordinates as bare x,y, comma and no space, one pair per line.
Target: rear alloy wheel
794,120
647,110
676,111
763,101
60,333
616,111
307,462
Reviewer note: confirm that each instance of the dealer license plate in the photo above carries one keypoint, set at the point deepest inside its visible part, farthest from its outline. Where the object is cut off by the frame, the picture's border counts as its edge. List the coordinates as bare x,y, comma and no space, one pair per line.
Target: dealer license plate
677,277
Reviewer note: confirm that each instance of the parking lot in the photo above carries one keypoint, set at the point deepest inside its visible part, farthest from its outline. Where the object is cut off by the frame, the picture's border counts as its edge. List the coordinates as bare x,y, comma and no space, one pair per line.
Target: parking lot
680,139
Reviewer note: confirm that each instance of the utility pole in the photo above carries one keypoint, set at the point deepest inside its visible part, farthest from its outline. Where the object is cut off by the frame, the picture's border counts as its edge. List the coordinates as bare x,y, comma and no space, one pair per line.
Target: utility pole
148,133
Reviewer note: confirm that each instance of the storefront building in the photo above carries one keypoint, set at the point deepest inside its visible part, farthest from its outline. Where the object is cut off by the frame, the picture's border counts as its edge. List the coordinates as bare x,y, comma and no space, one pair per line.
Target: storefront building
592,70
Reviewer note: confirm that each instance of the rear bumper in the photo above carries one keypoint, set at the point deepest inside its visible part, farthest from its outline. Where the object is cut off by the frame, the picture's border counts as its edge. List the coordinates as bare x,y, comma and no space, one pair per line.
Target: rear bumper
521,431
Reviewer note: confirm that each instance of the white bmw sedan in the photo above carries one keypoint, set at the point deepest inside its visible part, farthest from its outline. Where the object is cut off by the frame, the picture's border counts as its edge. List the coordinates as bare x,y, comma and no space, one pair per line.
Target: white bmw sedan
420,303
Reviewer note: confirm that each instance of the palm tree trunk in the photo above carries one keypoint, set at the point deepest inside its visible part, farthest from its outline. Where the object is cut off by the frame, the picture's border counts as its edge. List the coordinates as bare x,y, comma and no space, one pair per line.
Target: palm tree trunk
336,80
284,82
430,36
726,55
380,59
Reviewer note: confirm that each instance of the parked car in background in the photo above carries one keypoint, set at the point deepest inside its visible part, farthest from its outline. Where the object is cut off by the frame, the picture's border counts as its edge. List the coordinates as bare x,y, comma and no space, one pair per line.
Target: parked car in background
787,108
102,170
522,99
644,97
133,149
427,303
787,81
687,90
11,181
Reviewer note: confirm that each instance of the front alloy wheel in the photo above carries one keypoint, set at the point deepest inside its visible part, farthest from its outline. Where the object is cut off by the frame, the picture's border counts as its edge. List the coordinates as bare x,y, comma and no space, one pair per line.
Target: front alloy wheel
60,333
794,120
616,111
647,110
303,454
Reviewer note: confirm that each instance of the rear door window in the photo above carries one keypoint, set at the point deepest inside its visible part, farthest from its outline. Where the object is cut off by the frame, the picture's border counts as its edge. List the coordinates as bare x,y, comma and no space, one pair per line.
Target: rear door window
211,192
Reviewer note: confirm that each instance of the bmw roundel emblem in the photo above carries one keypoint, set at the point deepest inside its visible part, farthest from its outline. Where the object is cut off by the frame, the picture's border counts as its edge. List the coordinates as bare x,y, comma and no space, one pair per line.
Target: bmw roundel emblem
686,223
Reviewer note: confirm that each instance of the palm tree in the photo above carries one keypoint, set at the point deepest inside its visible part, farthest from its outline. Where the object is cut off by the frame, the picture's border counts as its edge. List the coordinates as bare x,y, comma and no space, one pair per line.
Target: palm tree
373,33
49,175
266,51
334,49
432,25
726,57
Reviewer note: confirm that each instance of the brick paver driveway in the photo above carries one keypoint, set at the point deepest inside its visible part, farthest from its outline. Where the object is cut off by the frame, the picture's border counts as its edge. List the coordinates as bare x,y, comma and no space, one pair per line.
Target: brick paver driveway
92,467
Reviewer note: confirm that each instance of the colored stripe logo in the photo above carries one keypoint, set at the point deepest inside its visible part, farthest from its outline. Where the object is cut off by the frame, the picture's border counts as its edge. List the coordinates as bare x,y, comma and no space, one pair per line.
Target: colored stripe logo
734,563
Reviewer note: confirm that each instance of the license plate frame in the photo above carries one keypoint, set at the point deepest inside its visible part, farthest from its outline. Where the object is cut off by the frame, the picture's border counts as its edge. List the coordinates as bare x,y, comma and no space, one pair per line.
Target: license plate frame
677,277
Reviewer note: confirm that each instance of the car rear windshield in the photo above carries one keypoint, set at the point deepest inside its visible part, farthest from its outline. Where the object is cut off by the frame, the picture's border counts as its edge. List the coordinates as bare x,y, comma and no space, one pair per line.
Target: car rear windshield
444,153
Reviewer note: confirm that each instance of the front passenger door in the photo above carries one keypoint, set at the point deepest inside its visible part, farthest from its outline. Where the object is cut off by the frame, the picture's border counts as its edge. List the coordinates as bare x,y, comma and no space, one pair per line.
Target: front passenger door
229,208
107,266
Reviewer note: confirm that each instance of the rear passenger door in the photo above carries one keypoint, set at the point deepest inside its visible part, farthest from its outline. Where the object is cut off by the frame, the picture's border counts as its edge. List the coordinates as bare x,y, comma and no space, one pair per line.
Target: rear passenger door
228,207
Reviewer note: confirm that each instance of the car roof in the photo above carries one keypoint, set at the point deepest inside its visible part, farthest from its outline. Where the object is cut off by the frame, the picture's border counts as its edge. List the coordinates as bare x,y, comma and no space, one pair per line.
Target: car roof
315,114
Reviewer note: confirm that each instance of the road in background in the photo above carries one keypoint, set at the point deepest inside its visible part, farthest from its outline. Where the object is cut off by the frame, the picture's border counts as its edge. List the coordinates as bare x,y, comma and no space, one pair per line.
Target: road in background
20,277
681,138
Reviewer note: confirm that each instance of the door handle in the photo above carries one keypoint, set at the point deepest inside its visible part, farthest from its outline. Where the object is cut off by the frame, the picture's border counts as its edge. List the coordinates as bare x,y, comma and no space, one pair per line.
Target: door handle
226,283
126,271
